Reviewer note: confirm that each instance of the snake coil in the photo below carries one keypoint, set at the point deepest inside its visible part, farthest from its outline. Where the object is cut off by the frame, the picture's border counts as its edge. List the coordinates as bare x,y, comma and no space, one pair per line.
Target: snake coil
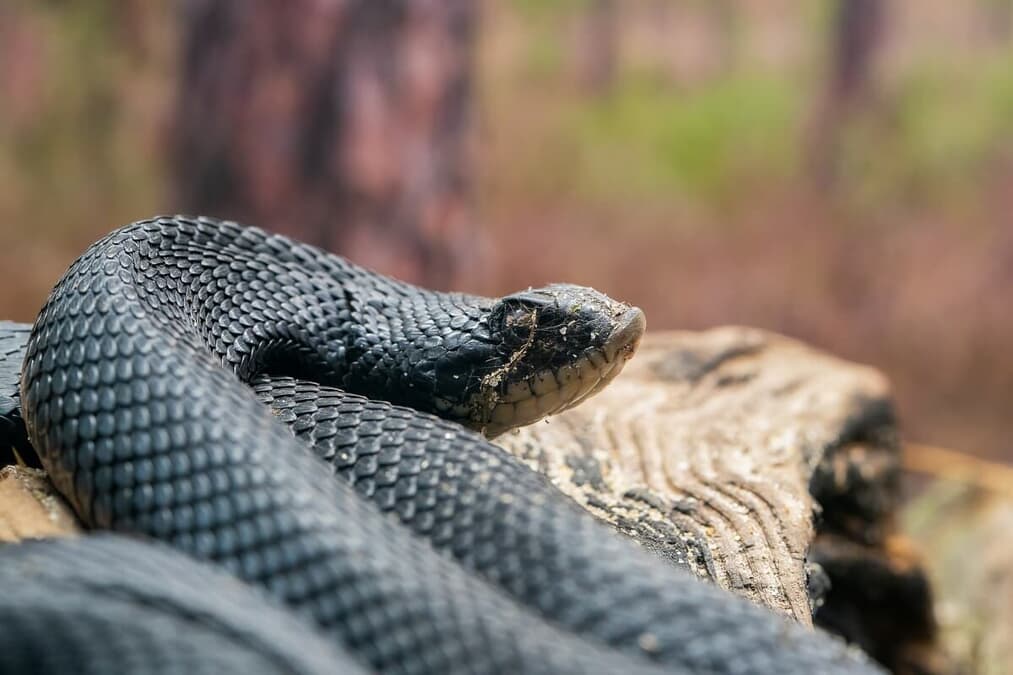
412,543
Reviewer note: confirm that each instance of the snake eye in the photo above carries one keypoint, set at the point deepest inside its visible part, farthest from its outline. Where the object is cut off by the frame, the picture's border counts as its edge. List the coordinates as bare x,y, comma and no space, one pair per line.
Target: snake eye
513,317
518,317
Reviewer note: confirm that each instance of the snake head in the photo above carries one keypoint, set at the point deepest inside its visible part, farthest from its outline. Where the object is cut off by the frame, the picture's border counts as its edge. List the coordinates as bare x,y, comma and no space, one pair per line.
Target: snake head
533,354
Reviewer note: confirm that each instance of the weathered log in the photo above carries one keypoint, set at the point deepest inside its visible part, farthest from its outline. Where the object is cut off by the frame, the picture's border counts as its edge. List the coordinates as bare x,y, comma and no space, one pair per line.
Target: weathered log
962,519
762,465
30,508
704,450
750,459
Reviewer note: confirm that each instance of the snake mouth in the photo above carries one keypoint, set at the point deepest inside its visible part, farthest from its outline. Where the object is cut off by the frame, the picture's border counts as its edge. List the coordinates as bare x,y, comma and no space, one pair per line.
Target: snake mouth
550,391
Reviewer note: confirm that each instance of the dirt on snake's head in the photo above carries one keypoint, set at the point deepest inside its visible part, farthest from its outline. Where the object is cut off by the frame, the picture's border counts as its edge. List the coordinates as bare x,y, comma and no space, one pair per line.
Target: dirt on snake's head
529,355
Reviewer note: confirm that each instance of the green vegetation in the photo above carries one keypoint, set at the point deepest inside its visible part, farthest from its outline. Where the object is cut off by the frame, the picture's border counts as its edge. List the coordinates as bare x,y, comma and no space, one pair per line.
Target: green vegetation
927,135
72,144
930,135
643,140
942,131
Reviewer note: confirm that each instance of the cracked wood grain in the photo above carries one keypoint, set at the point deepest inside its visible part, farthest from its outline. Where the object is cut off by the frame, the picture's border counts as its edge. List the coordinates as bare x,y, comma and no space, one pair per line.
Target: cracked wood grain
706,448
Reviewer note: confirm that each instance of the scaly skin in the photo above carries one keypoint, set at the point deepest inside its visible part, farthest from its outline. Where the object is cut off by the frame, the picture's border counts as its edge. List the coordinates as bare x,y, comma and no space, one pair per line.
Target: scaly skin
109,604
132,401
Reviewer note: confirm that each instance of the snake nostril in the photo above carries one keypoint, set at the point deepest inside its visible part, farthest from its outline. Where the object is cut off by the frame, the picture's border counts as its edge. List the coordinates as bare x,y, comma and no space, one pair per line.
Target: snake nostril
625,336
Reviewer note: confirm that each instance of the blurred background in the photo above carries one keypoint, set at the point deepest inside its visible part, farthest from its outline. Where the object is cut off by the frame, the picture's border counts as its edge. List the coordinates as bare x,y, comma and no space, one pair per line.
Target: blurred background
840,171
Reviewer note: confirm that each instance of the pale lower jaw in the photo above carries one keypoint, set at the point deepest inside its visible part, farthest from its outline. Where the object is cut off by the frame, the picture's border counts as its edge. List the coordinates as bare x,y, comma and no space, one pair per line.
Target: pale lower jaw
549,393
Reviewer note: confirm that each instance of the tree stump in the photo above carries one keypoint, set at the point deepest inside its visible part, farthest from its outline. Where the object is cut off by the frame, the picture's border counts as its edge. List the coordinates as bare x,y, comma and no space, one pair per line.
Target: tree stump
757,463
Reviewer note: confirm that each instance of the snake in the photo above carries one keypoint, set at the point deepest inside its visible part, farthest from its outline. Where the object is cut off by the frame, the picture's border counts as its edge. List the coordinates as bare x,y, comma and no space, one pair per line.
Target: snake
72,605
321,433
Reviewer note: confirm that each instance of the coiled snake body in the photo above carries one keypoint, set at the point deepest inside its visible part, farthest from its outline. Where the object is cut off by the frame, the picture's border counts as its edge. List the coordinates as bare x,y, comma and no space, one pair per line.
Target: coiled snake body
144,387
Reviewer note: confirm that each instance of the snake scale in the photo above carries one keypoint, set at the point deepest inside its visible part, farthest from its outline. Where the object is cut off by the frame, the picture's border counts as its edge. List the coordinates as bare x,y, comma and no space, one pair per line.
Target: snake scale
300,422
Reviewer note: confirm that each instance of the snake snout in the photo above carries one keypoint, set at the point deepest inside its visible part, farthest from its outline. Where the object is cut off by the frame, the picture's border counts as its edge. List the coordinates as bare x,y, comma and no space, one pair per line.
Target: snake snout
626,334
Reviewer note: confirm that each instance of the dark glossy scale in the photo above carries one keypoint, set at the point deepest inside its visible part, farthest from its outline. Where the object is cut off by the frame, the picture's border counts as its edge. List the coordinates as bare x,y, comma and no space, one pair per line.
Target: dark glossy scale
108,604
133,402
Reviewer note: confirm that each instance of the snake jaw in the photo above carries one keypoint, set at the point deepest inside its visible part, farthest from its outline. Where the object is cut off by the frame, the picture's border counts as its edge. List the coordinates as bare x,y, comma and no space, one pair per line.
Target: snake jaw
503,404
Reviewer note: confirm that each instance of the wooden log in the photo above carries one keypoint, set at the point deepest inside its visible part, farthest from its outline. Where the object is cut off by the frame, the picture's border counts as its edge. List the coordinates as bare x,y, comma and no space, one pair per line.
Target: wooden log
705,448
962,518
762,465
750,459
30,508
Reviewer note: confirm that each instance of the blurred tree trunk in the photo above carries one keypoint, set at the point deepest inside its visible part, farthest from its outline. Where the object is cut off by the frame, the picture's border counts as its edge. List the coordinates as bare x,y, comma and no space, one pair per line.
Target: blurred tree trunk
997,17
344,124
856,32
600,46
724,15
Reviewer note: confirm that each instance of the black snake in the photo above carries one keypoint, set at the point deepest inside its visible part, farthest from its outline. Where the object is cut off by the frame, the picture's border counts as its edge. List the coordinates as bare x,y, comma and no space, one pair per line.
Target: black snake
415,546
